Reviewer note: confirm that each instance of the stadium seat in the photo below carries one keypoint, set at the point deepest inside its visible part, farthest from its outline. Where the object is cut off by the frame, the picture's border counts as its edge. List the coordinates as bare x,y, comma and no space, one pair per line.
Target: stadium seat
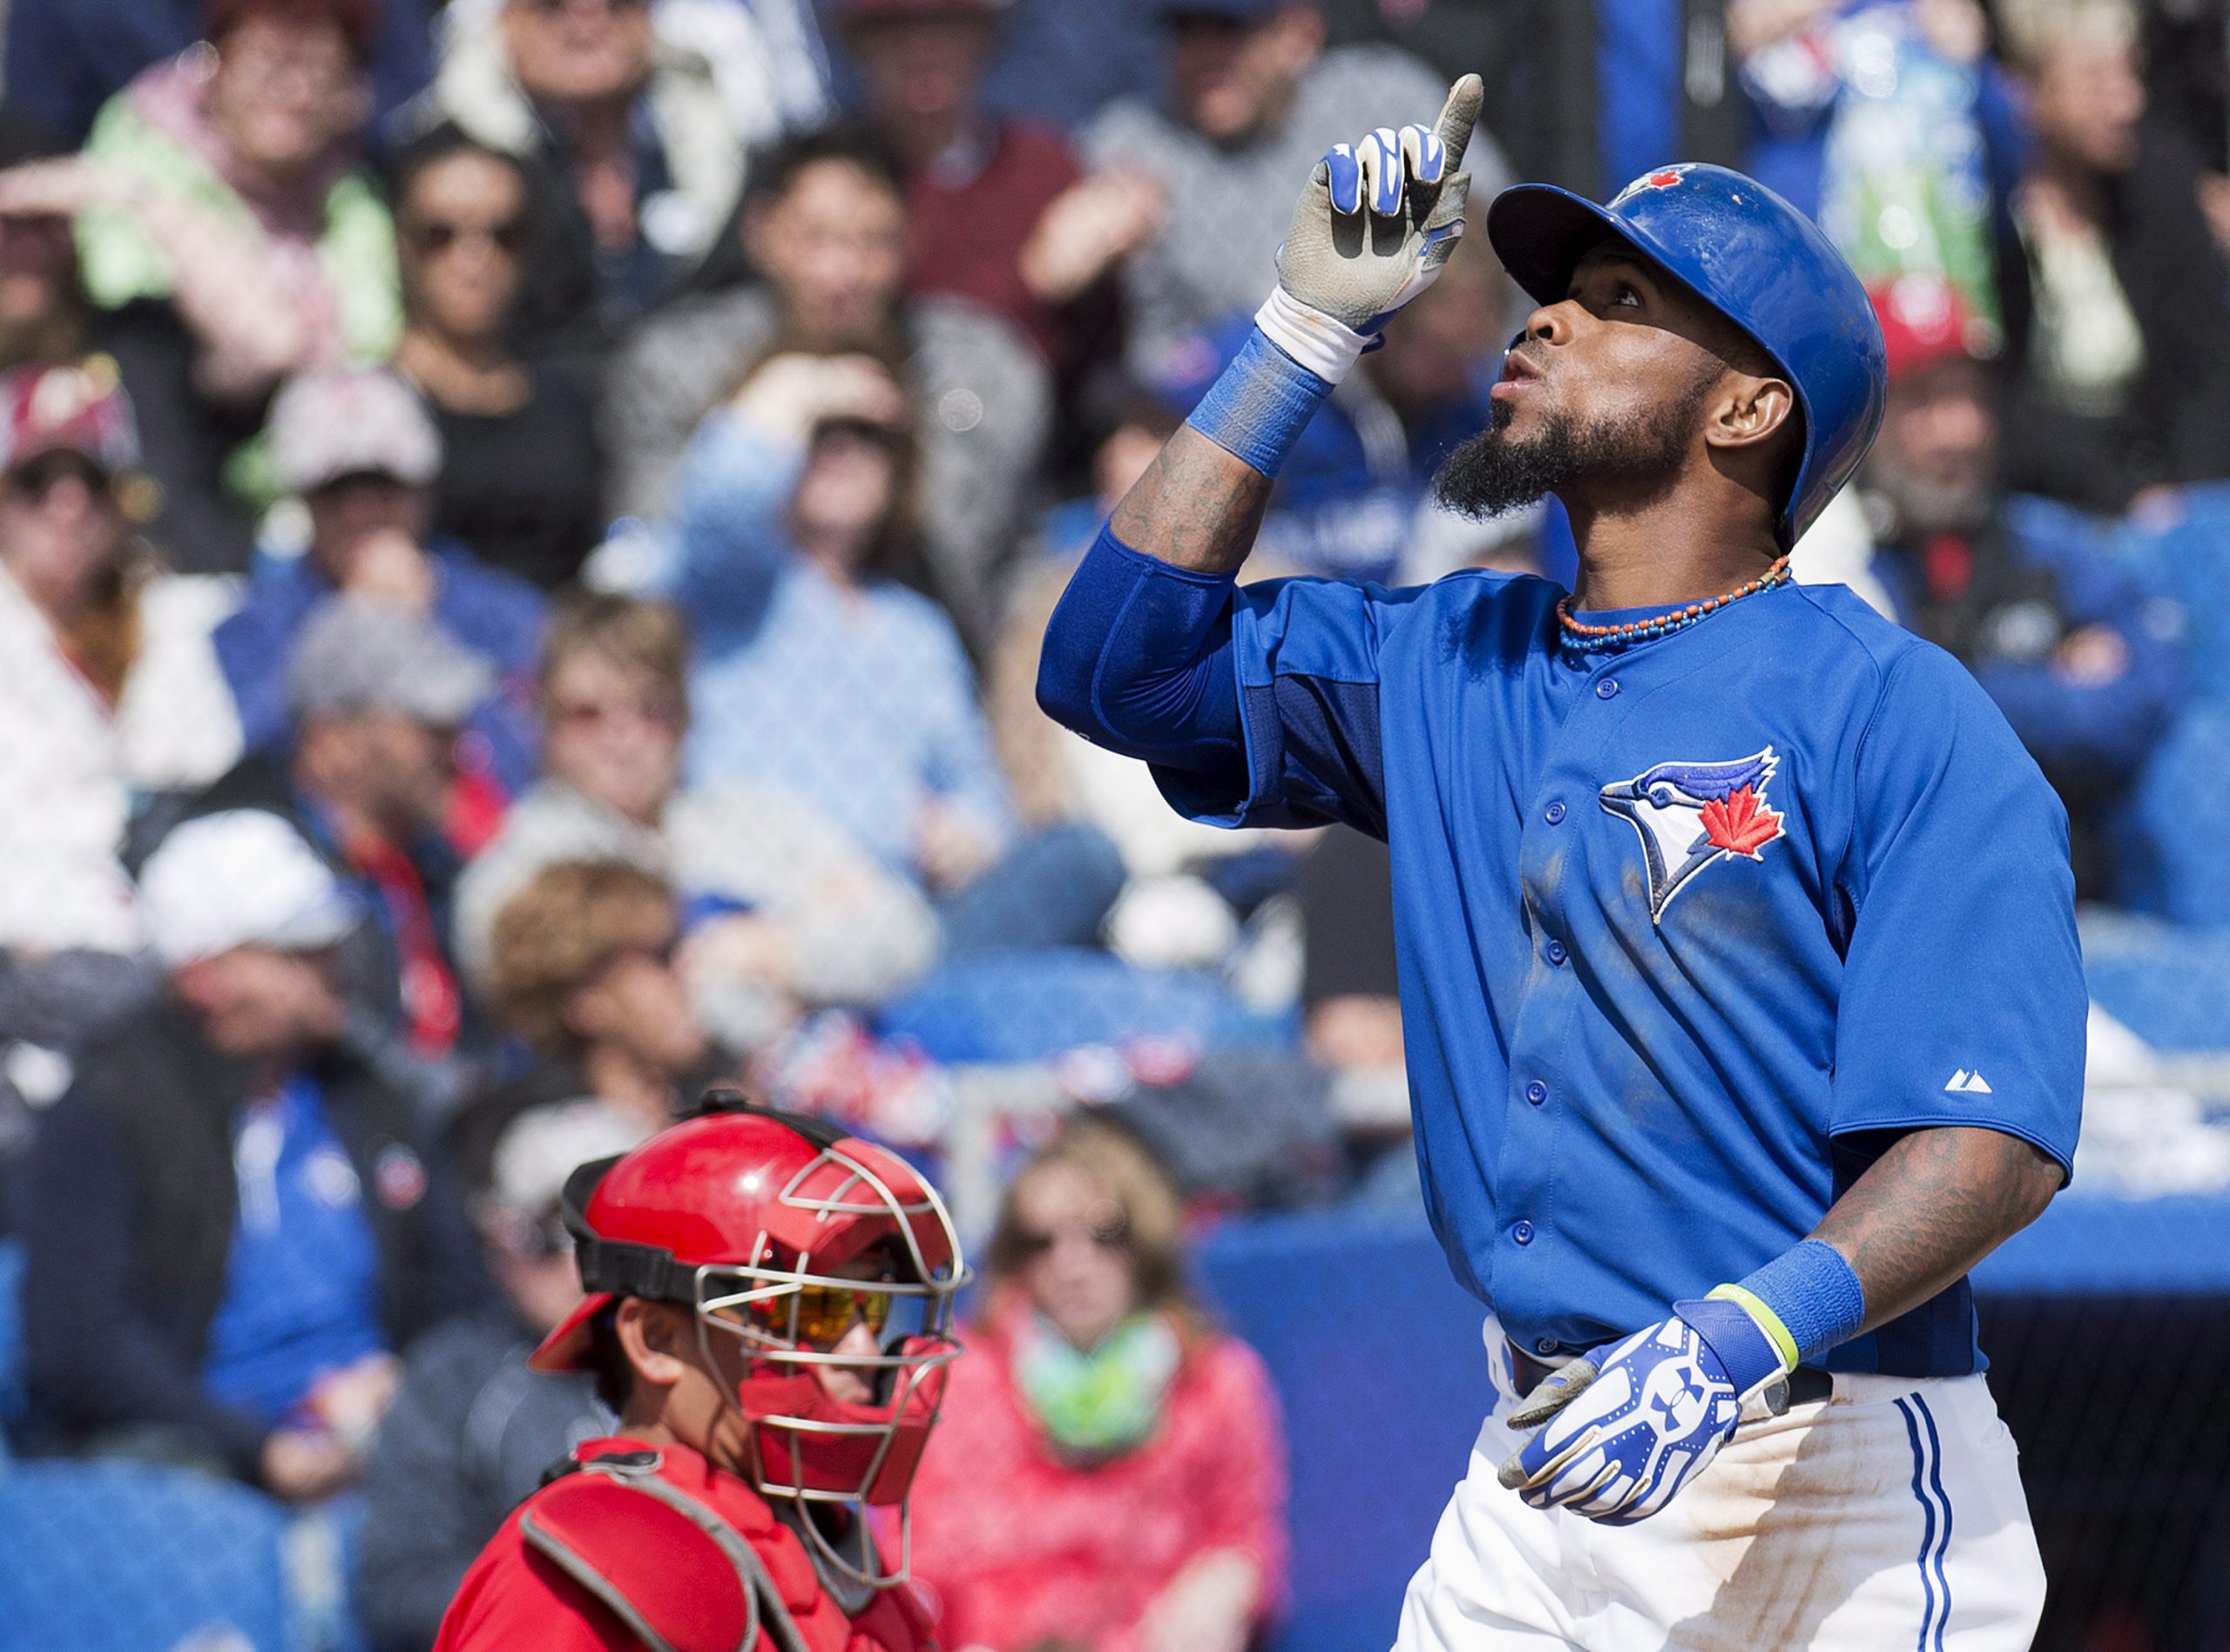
2179,816
2188,555
2167,983
130,1557
11,1334
1375,1354
1021,1007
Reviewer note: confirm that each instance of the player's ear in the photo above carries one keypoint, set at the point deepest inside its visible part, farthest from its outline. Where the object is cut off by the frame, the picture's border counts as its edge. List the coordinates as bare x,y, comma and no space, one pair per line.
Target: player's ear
1751,411
651,1334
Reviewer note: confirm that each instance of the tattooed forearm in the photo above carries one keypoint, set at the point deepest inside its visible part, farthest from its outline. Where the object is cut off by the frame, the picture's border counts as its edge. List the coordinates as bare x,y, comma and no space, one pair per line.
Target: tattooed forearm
1196,506
1928,1209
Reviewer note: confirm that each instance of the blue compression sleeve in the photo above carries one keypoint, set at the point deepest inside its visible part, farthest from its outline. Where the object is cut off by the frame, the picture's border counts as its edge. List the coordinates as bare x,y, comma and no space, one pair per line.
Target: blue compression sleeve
1138,659
1814,1294
1259,406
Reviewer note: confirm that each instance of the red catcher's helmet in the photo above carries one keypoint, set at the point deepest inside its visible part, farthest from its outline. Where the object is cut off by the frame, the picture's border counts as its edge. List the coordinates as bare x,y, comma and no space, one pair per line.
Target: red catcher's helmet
736,1213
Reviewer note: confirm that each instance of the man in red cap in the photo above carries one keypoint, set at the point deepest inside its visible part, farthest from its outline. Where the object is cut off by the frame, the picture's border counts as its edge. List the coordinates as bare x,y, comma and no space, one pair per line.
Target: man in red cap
2081,657
768,1312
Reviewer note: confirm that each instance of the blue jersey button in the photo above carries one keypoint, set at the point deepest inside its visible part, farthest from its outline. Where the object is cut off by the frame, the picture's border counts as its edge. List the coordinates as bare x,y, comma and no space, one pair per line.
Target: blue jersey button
1536,1092
1607,689
1522,1233
1556,952
1547,1344
1554,814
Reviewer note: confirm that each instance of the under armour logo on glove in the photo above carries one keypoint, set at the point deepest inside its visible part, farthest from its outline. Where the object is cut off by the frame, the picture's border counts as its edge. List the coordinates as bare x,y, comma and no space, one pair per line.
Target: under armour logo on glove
1620,1436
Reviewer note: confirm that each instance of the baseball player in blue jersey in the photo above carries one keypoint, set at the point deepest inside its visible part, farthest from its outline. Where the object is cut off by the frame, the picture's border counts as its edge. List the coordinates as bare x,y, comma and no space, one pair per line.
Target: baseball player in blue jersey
1738,968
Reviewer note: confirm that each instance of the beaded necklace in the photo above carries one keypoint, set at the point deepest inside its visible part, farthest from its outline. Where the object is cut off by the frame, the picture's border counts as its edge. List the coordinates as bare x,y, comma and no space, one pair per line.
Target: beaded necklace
1585,637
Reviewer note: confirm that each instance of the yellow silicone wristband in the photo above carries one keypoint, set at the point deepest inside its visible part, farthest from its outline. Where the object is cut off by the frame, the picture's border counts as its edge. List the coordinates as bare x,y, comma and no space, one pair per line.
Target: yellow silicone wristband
1768,1321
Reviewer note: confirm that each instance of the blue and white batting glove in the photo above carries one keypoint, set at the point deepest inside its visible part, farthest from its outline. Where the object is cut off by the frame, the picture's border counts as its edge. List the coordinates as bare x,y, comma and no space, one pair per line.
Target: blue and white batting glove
1620,1436
1379,220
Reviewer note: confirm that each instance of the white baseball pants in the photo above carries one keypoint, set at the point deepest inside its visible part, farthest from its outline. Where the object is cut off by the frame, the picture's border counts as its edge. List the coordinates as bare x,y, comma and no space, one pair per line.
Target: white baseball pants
1889,1515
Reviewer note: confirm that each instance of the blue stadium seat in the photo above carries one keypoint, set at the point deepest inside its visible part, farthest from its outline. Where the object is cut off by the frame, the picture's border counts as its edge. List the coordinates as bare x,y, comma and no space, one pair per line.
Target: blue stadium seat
2190,559
2181,814
128,1557
2167,983
1375,1354
12,1394
2169,866
1021,1007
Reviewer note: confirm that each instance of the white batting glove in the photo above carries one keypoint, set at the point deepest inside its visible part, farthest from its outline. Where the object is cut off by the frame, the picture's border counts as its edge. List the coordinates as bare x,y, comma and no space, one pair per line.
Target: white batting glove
1619,1437
1378,220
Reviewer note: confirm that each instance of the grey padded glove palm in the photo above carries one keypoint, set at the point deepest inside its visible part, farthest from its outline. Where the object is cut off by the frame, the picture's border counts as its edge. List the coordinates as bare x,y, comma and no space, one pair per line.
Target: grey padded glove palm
1378,220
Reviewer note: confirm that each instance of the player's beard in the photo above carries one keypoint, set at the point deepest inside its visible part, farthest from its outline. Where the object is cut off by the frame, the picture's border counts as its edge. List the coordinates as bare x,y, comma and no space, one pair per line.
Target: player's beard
1634,457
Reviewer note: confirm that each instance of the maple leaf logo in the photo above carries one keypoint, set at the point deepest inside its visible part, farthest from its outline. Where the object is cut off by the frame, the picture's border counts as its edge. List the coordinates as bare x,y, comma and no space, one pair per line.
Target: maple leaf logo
1691,815
1739,824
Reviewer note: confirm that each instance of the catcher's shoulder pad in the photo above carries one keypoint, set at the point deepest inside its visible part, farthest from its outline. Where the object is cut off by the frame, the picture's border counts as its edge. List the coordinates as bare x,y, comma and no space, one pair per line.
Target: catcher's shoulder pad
659,1572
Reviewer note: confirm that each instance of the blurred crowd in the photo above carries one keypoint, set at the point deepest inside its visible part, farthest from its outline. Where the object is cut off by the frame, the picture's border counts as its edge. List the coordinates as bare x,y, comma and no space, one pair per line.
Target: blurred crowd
524,530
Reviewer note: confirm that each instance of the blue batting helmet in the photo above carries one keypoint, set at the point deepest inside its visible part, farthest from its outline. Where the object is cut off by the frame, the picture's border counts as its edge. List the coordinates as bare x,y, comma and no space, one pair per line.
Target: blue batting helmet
1755,260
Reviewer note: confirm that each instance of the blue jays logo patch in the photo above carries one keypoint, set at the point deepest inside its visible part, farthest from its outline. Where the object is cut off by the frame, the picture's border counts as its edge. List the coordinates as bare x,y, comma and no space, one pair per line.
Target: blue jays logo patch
1664,177
1692,814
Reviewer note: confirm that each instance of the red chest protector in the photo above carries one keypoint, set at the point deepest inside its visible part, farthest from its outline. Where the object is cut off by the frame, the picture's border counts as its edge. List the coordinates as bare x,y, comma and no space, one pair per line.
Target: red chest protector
637,1530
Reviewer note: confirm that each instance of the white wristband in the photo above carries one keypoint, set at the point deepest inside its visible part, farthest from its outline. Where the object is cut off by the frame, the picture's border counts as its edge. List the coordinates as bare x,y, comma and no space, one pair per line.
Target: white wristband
1327,348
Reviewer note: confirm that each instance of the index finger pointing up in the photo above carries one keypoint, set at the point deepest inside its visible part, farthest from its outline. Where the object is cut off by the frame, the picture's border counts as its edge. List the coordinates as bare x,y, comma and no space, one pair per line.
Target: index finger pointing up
1458,115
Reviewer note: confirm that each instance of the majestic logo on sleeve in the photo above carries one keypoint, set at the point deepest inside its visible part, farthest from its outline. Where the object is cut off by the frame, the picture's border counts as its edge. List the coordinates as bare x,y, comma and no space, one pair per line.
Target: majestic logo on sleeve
1692,814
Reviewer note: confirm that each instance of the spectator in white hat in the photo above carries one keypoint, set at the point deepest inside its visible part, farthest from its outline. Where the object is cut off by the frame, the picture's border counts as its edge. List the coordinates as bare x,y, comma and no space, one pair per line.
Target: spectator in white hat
110,686
230,1227
473,1430
357,447
242,879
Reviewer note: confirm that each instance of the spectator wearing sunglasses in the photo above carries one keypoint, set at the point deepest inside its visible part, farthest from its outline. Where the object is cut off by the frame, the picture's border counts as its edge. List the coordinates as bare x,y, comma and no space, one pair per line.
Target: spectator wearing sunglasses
522,478
47,319
111,685
785,914
583,972
473,1430
635,121
1108,1471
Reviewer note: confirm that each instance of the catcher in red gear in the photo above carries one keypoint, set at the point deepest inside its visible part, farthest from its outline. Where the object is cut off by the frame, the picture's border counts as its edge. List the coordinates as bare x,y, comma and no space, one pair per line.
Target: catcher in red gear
768,1312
